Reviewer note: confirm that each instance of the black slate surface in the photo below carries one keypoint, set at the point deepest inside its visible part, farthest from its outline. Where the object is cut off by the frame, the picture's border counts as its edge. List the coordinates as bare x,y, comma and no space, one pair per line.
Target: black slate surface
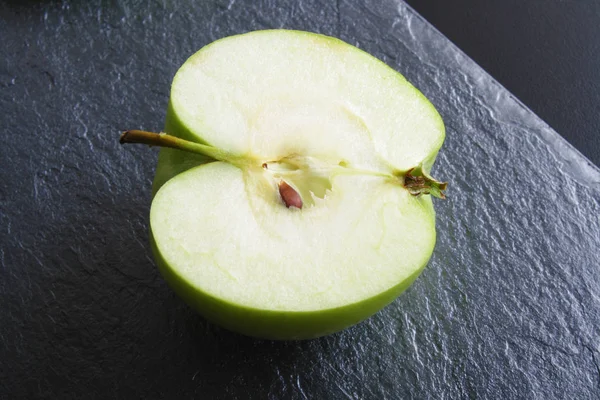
508,307
547,53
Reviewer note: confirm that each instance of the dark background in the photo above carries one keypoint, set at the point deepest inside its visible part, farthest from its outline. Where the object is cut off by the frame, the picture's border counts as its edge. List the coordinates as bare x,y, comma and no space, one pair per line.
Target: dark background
547,53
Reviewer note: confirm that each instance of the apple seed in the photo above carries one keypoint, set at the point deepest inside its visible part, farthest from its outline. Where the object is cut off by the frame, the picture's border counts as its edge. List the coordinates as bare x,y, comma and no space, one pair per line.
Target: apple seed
290,197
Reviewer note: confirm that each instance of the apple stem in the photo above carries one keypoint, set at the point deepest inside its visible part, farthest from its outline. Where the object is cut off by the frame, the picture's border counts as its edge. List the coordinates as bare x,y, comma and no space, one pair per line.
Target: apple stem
418,182
415,180
166,140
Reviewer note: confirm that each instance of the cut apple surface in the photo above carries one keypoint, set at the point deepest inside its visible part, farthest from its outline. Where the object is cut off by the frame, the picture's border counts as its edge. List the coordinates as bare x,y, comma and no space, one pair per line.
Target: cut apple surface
343,132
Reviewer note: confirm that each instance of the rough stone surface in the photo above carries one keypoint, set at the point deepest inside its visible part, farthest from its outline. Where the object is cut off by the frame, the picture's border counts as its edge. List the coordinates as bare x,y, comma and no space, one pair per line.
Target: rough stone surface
509,306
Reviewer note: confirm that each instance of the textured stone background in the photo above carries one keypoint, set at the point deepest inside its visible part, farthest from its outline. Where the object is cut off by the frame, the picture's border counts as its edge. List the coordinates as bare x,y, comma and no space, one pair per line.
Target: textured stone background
508,307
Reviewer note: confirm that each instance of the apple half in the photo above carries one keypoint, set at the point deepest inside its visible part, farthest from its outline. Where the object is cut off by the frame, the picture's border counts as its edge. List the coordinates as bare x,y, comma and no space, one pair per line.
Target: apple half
292,195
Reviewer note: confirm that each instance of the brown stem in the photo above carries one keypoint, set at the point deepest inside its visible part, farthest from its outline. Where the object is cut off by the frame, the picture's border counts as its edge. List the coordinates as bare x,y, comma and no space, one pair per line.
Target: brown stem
165,140
149,138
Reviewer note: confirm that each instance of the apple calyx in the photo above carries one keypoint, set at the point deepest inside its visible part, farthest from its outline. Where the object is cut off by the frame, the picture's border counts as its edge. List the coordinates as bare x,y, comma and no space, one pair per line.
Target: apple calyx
300,178
419,182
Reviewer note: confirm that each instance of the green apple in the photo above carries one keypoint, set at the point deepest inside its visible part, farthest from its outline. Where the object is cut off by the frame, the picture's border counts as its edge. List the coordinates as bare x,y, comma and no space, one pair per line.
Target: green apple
292,195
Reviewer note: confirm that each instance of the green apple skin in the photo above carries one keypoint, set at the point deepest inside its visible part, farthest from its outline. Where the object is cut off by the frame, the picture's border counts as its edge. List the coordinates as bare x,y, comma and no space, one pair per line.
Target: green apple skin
261,323
276,325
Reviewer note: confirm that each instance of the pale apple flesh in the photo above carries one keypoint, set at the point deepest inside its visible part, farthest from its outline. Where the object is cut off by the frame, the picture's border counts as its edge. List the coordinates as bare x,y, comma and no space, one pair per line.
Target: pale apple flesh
342,129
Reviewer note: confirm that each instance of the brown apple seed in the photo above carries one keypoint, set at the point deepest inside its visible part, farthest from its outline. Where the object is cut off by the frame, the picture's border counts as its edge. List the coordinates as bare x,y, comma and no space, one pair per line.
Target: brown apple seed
290,197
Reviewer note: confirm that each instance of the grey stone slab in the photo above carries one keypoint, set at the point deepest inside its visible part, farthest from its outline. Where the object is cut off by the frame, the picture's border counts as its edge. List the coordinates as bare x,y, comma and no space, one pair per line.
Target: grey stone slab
509,306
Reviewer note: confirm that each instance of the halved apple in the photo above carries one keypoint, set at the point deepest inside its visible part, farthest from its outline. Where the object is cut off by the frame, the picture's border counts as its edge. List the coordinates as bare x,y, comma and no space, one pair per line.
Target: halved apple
295,199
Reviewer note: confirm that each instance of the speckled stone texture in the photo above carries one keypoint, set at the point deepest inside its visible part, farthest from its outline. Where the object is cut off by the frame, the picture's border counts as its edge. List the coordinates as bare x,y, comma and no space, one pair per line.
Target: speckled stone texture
509,306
